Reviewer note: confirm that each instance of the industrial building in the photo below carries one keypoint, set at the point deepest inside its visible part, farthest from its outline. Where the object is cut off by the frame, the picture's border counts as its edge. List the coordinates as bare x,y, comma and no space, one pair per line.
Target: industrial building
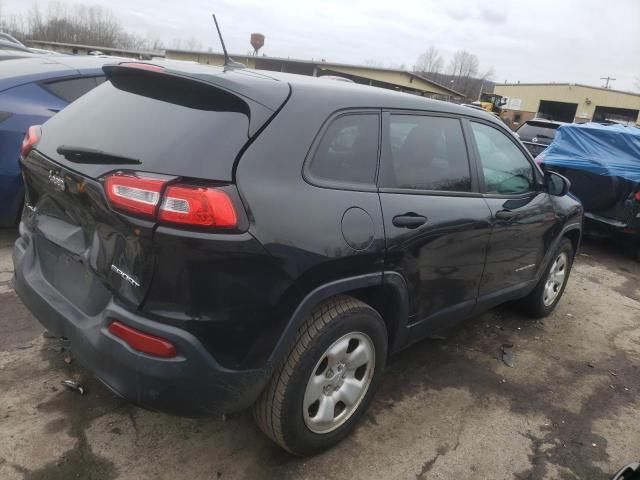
395,79
567,102
77,49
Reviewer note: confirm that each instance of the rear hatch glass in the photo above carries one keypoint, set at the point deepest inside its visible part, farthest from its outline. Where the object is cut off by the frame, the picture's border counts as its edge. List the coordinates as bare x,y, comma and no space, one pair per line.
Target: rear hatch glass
167,124
538,132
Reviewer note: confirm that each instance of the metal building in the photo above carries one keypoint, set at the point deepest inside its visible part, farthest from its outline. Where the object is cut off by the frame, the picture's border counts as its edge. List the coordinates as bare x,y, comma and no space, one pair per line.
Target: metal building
567,102
396,79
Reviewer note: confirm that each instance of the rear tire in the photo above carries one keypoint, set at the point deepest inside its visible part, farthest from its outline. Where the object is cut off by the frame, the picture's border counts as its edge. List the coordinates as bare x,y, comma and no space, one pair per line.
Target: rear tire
547,293
327,380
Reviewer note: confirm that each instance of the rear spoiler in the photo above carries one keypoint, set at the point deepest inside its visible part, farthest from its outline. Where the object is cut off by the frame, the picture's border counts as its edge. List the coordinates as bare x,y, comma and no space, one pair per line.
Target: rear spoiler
257,97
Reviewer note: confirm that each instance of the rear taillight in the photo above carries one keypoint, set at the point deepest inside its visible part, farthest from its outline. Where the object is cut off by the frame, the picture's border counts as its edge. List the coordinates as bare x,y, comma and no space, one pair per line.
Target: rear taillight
30,139
134,194
195,205
143,342
182,204
637,196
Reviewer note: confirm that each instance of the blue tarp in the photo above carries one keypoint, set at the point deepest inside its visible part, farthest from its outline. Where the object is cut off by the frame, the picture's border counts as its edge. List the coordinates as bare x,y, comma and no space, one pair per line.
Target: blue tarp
611,150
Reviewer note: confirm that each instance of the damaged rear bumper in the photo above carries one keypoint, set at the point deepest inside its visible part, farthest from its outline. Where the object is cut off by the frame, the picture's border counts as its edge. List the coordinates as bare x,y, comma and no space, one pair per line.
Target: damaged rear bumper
192,383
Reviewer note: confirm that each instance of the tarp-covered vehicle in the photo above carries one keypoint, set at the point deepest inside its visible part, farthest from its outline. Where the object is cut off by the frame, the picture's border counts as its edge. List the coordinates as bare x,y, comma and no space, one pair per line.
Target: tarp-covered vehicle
603,165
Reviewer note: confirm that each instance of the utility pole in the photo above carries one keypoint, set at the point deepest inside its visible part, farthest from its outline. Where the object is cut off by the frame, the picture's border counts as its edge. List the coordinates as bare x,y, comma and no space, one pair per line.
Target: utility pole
607,80
480,92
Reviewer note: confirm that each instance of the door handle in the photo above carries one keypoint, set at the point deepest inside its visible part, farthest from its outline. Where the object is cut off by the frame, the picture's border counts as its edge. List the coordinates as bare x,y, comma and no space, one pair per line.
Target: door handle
505,214
409,220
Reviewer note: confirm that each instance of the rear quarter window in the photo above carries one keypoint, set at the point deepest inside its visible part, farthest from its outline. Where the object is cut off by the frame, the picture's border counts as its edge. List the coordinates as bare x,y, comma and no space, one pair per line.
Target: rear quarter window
73,88
347,152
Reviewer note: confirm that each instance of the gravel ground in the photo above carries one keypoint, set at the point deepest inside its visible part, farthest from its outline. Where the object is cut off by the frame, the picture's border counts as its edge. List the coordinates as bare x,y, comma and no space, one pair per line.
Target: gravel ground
448,407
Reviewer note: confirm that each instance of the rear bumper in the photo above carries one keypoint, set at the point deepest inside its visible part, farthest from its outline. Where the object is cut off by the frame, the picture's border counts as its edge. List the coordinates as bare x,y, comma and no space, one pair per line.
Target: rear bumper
191,384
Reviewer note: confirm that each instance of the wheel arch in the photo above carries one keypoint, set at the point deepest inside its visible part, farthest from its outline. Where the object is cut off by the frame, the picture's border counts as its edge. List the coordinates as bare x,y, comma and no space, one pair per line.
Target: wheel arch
574,234
386,292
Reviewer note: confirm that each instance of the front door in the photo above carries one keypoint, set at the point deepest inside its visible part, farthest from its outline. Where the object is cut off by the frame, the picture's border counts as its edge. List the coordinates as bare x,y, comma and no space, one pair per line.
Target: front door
437,225
522,214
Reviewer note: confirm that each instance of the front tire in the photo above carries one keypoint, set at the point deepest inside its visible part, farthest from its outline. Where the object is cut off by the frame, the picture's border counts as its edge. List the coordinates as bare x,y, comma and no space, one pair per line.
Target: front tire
547,293
327,380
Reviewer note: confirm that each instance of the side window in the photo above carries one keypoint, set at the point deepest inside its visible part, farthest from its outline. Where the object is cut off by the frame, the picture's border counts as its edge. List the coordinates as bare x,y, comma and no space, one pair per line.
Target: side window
506,169
348,150
426,153
71,89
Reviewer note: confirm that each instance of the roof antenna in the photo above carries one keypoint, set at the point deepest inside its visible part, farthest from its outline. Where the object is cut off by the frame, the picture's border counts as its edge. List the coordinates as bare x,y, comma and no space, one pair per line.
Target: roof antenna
229,63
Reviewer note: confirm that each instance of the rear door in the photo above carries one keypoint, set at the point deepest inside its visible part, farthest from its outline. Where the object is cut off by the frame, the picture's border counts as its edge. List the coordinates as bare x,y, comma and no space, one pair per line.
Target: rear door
156,125
437,224
522,214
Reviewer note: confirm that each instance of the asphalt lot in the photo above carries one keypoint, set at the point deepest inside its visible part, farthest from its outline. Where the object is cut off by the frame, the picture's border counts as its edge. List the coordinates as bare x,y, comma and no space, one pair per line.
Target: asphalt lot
448,407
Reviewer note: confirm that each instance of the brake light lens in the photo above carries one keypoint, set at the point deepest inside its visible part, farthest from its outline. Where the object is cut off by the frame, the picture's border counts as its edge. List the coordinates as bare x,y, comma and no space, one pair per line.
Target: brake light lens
637,196
193,205
133,194
143,66
30,140
181,204
143,342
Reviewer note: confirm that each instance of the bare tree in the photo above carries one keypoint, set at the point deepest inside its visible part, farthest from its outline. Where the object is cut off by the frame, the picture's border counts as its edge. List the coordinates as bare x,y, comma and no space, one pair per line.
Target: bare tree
429,62
464,65
373,63
81,24
88,25
463,70
11,25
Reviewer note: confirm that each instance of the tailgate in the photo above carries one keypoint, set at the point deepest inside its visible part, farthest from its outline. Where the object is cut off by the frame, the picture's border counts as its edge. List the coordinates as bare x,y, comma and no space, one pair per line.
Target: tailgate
85,249
157,123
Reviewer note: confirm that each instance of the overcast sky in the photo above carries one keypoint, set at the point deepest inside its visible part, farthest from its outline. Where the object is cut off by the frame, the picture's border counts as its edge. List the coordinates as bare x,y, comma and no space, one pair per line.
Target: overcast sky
526,40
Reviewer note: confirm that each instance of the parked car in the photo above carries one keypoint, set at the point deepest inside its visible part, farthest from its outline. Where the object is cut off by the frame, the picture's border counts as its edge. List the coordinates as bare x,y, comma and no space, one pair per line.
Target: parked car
628,472
603,164
210,239
9,53
8,42
537,134
32,89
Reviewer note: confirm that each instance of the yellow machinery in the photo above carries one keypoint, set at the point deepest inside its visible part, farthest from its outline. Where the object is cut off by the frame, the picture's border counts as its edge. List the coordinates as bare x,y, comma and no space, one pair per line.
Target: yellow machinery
491,102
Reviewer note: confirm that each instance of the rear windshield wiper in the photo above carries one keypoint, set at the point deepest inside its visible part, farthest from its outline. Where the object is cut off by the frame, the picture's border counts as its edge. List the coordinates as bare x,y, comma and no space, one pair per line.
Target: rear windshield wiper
90,155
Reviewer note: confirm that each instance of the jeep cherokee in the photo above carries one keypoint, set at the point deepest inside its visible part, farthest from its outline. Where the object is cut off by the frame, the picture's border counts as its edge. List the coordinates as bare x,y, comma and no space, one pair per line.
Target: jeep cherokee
210,239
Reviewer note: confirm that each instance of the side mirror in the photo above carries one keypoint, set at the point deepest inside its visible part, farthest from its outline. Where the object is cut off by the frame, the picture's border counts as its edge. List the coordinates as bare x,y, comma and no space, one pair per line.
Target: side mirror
556,184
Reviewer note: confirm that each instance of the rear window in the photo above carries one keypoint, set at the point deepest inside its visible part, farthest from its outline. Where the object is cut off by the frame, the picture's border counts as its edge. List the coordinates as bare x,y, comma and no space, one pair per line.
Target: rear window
544,132
169,124
426,153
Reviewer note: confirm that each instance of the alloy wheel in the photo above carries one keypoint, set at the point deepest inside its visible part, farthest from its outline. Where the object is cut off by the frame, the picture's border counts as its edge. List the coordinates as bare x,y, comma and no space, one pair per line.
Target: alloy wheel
556,278
339,382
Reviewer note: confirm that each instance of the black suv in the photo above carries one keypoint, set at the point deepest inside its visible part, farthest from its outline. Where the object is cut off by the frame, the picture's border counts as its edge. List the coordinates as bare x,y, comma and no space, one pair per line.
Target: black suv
537,134
210,240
